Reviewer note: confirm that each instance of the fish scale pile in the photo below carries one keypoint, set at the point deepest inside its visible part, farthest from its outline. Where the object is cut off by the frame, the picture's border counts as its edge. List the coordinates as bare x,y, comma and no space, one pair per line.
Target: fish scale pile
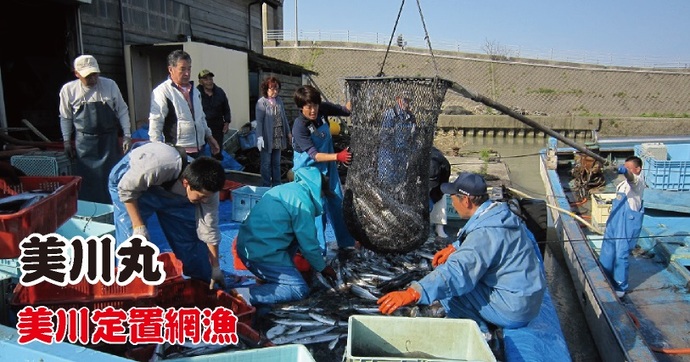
321,320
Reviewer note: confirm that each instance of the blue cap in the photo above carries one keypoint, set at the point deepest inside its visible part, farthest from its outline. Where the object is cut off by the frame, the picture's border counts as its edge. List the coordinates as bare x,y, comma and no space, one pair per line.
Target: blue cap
469,184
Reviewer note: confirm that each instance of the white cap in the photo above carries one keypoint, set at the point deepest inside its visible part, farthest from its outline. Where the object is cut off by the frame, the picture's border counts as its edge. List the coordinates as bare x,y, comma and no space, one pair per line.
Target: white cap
85,65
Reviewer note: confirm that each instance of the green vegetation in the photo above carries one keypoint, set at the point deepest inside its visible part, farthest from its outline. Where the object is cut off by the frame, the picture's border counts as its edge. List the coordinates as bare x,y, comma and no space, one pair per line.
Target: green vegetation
315,53
581,111
549,91
484,155
665,115
542,91
620,94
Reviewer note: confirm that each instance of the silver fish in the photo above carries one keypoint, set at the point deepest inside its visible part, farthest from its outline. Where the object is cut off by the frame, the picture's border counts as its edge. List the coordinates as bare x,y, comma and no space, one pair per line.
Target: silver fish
301,335
362,293
323,319
276,330
321,338
301,322
333,343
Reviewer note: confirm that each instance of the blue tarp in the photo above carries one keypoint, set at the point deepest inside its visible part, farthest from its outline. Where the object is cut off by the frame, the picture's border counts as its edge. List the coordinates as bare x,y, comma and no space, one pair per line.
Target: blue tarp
541,340
228,162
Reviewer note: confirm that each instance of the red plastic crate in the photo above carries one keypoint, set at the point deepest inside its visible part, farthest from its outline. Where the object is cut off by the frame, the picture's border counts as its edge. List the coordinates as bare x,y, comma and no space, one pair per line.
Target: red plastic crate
97,295
195,293
226,192
43,217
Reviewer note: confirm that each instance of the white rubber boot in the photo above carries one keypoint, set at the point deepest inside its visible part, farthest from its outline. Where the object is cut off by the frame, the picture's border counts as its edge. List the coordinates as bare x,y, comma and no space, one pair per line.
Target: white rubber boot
440,232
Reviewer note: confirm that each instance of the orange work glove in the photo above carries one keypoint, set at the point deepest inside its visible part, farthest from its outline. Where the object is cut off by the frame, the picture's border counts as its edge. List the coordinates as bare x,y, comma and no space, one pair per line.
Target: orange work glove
394,300
442,255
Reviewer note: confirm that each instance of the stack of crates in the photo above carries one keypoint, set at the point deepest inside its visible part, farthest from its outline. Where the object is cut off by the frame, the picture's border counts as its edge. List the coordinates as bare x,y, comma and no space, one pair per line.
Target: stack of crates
43,163
668,170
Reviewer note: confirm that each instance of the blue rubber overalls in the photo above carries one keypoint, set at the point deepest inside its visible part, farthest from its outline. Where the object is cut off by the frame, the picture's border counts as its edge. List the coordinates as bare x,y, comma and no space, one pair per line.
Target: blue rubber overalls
622,230
97,149
323,142
177,218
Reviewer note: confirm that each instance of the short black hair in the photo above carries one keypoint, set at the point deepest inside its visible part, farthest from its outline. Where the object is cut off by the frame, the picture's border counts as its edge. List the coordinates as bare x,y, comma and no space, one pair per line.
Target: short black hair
634,159
305,95
205,173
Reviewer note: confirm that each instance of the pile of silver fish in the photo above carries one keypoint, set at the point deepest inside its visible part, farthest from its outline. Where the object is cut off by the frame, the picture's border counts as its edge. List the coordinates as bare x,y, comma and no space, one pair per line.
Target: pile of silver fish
320,321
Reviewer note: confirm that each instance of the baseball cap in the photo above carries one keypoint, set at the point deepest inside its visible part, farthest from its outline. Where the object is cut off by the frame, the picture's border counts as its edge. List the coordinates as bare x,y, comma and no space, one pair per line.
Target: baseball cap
85,65
206,73
469,184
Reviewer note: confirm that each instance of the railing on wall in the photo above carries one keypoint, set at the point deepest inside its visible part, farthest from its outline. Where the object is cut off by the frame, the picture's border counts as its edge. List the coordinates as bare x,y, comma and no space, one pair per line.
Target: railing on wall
509,51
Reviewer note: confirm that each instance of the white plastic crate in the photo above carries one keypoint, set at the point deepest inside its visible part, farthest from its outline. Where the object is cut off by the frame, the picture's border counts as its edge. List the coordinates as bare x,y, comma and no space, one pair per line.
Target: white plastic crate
10,267
600,205
395,339
43,163
244,199
656,151
285,353
94,211
85,228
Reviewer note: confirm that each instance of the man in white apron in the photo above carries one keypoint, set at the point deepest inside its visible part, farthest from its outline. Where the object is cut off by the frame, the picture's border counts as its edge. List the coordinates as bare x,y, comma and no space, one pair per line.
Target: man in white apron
93,106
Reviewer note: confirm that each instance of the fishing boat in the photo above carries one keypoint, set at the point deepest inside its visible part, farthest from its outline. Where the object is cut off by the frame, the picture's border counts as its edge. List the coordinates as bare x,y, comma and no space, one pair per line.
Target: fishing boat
649,323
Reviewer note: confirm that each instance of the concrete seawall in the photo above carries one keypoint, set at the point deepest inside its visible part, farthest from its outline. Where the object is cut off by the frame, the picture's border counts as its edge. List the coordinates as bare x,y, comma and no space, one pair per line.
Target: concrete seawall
571,127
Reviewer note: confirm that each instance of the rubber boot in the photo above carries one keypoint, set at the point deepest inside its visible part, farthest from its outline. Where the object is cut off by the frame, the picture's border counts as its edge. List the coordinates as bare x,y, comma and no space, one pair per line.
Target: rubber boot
440,232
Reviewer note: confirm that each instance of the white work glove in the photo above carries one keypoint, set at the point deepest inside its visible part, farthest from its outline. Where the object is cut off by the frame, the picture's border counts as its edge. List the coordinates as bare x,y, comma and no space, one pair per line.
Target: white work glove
217,276
253,124
260,143
126,144
141,230
69,150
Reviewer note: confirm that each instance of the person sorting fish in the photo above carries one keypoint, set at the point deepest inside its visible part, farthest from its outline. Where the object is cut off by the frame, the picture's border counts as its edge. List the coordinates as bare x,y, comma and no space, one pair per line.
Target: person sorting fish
492,273
279,225
624,225
156,178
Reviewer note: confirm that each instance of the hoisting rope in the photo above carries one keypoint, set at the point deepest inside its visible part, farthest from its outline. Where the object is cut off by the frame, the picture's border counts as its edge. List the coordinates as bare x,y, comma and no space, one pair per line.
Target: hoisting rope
426,37
390,41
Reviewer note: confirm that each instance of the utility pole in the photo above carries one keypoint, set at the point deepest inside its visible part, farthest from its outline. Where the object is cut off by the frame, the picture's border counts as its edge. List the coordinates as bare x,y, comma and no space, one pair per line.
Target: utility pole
296,27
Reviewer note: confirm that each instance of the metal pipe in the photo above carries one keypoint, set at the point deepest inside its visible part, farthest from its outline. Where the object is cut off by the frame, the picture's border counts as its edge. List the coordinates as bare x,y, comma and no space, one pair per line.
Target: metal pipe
499,107
643,139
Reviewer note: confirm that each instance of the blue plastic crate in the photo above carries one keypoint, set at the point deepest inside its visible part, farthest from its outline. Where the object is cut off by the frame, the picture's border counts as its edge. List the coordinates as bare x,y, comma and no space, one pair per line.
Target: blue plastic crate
672,174
244,199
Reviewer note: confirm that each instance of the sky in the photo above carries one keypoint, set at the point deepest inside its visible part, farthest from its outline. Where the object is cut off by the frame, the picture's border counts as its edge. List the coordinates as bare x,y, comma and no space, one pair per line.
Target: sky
622,29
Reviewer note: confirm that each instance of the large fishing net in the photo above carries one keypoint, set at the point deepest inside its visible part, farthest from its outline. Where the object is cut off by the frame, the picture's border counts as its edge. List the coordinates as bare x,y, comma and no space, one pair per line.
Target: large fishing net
386,203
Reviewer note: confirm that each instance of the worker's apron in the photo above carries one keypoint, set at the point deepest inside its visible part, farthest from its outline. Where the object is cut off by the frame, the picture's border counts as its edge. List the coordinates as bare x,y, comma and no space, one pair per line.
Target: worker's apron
623,227
96,148
333,206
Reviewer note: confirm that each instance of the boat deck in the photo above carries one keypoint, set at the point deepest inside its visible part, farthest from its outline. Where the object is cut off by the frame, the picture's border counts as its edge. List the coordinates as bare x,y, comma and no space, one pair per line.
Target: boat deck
652,321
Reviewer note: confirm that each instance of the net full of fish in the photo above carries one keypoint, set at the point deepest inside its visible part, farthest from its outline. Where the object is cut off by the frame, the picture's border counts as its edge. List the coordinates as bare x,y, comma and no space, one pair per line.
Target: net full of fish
386,197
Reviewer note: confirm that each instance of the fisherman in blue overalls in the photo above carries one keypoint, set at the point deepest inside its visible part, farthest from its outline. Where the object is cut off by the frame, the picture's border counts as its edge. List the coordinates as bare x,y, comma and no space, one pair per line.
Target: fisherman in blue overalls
313,146
158,178
624,225
93,105
398,133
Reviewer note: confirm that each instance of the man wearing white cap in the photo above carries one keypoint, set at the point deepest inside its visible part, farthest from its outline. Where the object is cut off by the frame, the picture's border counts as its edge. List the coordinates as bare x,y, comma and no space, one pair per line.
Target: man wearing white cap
93,106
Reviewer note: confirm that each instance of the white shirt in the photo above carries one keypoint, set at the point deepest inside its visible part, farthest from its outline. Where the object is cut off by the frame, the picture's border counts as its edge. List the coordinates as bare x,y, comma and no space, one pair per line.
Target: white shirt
633,190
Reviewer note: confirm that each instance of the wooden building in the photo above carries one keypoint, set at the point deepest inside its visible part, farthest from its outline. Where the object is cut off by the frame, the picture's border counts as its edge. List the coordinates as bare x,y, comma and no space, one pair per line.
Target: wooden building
42,38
